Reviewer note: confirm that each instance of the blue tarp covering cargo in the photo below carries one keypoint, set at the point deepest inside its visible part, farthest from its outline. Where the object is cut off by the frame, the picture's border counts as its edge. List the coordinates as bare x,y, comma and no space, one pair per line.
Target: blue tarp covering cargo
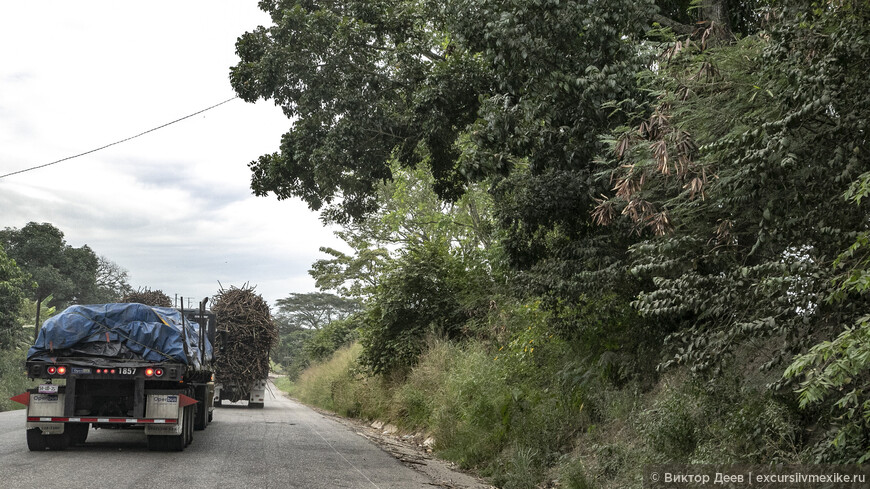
119,331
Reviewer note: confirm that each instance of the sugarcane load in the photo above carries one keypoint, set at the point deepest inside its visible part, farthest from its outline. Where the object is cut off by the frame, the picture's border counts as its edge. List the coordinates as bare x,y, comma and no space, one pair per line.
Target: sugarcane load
245,335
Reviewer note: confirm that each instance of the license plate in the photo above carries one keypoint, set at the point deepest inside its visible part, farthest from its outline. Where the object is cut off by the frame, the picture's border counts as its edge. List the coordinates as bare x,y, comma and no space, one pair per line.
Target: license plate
47,389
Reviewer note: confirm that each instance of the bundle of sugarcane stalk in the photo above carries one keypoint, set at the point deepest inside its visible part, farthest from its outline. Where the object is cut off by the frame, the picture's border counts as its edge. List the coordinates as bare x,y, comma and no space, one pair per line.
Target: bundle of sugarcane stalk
246,334
148,297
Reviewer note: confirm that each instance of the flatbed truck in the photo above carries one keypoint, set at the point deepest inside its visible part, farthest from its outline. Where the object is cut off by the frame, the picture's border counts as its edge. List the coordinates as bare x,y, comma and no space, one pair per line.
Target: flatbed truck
105,385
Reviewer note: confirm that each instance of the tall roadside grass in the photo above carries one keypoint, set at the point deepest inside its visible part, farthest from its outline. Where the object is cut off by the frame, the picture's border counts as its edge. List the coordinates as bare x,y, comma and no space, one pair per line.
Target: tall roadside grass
337,385
12,378
480,411
519,415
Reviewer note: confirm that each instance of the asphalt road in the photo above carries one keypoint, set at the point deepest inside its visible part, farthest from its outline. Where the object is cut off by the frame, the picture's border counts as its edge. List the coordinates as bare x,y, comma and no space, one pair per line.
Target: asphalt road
284,445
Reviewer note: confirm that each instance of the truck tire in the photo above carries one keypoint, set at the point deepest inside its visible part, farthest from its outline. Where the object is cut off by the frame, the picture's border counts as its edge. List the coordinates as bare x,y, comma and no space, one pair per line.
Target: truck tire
189,422
218,403
201,419
156,443
175,443
35,440
77,433
256,405
57,442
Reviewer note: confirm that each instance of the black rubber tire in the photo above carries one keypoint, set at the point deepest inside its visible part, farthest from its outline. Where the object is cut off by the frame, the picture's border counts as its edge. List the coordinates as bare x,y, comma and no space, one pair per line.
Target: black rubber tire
189,422
256,405
218,403
77,433
35,440
210,416
175,443
57,442
201,418
156,443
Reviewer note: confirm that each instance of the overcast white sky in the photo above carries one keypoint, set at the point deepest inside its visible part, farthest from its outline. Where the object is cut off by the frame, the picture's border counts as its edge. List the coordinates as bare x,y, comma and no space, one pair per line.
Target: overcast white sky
173,207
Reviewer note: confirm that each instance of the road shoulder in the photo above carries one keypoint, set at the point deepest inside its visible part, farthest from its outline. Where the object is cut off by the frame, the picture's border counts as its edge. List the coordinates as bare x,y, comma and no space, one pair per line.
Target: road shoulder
408,450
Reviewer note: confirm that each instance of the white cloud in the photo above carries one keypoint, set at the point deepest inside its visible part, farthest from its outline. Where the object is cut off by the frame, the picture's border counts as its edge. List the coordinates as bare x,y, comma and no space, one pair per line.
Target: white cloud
173,206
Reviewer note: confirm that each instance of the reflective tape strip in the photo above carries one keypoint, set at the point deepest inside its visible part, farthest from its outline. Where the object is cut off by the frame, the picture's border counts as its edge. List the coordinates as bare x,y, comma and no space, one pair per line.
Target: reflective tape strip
37,419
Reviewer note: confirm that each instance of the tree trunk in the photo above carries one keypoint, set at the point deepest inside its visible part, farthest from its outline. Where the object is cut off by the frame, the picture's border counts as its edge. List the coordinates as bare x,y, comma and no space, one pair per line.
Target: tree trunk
715,14
36,326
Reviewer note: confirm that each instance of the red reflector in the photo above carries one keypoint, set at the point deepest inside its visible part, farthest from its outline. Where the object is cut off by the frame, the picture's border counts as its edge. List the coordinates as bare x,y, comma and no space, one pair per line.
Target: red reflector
113,370
186,401
158,372
99,370
149,372
21,398
52,370
61,370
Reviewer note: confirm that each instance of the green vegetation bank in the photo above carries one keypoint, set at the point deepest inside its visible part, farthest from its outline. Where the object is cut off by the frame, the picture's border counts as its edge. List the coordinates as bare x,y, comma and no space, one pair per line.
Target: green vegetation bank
585,236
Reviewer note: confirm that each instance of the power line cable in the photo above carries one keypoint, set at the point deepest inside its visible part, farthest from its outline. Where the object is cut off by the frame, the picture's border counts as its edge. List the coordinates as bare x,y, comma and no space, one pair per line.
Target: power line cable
118,142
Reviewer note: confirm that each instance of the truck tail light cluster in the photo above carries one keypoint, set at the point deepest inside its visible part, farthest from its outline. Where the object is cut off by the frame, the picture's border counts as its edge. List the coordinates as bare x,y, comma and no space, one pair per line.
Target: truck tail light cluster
52,370
153,372
106,371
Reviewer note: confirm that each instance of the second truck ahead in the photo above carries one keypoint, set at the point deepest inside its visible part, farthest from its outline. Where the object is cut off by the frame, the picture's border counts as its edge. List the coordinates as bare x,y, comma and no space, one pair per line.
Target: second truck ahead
229,387
245,336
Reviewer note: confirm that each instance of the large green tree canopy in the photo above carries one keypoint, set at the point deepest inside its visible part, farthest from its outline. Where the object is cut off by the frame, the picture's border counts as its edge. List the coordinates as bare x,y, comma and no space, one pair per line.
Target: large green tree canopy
470,87
312,310
66,273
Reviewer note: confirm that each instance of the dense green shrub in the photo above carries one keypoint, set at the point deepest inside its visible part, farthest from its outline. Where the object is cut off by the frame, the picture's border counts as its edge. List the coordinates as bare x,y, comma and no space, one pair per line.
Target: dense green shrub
14,284
673,425
429,291
331,337
12,378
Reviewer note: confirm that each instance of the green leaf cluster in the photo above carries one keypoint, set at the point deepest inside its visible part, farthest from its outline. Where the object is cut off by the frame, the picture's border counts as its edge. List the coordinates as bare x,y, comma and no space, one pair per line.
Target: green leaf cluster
14,286
733,178
428,292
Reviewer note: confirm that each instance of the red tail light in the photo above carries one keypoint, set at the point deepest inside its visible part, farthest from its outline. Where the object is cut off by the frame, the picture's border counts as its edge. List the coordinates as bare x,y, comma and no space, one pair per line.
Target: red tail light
113,370
158,372
52,370
149,372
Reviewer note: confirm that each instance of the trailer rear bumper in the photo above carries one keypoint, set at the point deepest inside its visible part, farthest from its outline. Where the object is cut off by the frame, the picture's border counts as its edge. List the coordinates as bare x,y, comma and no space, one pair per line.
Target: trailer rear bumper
55,419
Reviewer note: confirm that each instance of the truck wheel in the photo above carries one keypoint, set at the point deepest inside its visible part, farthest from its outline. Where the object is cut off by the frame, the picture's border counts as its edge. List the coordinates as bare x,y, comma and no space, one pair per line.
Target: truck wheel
57,442
218,403
210,416
201,419
189,421
35,440
256,405
175,443
77,433
156,443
